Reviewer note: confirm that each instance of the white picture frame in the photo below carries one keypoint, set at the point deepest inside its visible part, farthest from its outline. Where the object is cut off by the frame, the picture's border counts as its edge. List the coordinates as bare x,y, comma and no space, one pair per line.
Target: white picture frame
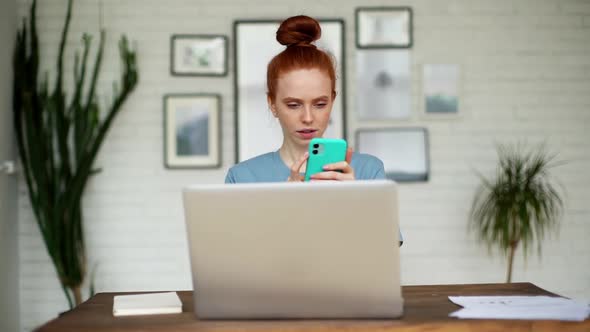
198,55
192,131
441,89
255,44
384,84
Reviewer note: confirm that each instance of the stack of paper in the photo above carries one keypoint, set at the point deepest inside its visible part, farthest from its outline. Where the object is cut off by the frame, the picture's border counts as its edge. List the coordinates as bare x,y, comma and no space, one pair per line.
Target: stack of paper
147,304
520,307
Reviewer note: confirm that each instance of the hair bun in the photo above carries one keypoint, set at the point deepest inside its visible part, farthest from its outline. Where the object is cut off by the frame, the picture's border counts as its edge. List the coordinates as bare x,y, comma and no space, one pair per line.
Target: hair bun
299,31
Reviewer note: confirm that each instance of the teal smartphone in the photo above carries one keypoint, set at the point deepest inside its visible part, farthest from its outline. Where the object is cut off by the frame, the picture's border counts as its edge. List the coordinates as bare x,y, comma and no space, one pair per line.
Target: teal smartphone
323,151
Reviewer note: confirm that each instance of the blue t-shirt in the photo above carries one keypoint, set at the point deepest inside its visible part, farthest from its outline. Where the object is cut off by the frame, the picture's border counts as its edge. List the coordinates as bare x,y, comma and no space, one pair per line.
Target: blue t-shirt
269,167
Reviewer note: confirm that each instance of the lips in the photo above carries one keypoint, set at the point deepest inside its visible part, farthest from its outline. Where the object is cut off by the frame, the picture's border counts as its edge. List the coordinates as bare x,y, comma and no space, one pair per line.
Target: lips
307,133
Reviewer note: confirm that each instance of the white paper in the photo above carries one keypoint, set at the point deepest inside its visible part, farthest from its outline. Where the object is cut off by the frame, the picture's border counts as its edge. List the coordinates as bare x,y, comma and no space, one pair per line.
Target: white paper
147,304
520,307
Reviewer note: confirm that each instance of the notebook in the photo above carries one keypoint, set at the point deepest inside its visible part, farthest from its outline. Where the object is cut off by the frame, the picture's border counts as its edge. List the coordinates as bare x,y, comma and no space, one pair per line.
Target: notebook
147,304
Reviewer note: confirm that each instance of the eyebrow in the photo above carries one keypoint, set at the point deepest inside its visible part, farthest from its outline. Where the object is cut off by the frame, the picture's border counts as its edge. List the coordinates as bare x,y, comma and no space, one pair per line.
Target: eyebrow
288,99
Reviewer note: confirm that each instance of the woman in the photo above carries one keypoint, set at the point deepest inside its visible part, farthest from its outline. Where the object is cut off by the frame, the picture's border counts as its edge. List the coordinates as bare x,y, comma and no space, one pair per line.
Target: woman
301,82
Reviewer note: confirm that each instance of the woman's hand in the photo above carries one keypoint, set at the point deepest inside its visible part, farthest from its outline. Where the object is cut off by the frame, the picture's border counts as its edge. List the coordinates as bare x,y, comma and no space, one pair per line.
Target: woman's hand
295,173
341,171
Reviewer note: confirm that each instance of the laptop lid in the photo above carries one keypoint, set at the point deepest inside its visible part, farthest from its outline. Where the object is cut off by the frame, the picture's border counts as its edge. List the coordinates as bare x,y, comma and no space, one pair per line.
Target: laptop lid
294,250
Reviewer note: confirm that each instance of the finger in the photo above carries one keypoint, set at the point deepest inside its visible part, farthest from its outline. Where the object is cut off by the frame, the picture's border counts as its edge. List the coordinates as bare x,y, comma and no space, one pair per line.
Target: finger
297,178
327,176
339,166
297,166
302,161
348,155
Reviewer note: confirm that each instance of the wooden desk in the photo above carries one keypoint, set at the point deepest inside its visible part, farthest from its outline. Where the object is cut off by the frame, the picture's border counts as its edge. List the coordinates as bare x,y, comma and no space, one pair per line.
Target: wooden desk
426,308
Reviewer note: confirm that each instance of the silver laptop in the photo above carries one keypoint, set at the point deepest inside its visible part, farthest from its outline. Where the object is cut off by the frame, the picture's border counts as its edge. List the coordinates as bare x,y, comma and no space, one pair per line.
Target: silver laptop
294,250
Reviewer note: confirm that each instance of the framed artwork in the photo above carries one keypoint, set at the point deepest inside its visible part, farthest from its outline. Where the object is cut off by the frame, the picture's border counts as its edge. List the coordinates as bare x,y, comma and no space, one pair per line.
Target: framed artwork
404,151
255,44
383,27
383,84
198,55
192,131
440,88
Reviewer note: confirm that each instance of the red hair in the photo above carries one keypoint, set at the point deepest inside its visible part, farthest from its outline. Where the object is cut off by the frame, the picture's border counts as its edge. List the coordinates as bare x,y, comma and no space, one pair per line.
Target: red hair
298,33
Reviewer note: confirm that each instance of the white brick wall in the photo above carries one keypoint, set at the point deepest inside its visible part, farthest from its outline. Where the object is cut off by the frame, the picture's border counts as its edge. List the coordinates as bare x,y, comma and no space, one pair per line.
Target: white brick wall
526,76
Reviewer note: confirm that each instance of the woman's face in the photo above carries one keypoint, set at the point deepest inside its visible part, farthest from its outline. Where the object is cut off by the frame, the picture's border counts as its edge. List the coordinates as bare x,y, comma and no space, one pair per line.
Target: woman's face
303,104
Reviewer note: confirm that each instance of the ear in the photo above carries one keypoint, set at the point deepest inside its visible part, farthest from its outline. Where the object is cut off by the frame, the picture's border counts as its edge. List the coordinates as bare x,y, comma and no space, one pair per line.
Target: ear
271,105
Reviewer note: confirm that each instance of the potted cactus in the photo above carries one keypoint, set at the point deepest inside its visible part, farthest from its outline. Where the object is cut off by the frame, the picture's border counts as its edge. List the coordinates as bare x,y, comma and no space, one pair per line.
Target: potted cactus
58,136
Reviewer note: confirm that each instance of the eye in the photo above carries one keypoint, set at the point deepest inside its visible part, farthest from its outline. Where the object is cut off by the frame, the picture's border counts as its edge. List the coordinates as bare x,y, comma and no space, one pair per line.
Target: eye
292,105
321,104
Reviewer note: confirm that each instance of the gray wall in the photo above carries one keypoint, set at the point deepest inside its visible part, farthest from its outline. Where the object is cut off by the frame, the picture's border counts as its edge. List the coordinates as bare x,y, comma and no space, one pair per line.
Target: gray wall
9,300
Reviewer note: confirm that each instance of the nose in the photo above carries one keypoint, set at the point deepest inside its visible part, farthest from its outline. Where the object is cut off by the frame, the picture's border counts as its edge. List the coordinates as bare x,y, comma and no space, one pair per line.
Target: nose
307,115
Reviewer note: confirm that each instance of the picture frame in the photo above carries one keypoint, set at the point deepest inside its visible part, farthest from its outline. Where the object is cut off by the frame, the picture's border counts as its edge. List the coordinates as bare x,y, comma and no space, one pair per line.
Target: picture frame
441,89
192,130
384,84
384,27
403,150
198,55
255,44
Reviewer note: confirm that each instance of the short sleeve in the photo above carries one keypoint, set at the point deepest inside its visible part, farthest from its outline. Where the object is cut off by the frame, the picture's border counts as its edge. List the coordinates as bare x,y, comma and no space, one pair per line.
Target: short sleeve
229,178
380,170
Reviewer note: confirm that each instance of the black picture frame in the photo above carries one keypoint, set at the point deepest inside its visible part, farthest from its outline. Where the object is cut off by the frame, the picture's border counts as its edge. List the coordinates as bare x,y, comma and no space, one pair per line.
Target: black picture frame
412,171
207,40
361,30
341,76
213,105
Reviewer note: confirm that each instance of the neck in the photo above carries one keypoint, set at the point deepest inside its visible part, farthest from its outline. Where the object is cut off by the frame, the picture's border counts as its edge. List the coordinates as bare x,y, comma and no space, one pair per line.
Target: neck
291,153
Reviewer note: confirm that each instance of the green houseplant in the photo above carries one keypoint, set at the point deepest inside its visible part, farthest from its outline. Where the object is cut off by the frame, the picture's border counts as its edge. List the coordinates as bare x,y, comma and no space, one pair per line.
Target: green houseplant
519,204
58,136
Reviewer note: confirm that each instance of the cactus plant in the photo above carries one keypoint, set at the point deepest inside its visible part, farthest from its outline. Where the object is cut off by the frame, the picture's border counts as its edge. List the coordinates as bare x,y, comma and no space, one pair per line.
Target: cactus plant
58,139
